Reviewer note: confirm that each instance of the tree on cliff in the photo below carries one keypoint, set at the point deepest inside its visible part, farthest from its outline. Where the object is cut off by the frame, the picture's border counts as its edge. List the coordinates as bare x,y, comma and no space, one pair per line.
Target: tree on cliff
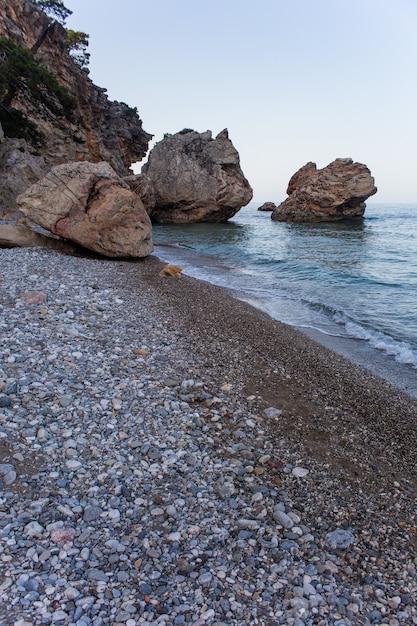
55,8
20,72
77,43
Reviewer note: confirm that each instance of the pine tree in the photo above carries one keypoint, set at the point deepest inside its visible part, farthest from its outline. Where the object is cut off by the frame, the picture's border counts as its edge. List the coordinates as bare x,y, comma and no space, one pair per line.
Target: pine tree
55,8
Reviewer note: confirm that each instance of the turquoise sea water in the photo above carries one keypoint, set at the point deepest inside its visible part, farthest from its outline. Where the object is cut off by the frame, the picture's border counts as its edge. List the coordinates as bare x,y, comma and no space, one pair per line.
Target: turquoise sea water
349,285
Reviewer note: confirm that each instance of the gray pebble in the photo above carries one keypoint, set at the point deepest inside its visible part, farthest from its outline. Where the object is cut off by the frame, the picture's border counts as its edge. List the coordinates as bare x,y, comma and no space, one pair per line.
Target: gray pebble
145,589
151,490
5,401
92,513
339,539
96,574
283,519
205,579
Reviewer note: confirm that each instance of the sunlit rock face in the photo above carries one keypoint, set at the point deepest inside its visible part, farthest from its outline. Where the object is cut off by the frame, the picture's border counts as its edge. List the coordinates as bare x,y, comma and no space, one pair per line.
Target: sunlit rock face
336,192
194,178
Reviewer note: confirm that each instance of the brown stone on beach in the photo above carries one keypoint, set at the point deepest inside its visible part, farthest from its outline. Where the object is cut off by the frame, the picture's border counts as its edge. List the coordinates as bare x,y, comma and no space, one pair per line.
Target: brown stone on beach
195,178
171,270
336,192
61,535
33,297
89,204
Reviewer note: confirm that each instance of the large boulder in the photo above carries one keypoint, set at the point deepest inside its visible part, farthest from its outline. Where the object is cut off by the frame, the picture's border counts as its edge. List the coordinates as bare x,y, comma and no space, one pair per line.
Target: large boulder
336,192
195,178
89,204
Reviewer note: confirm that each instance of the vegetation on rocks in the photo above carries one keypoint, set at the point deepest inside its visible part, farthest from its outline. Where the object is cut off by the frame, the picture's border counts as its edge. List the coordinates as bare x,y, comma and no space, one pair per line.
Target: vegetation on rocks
54,8
20,71
77,43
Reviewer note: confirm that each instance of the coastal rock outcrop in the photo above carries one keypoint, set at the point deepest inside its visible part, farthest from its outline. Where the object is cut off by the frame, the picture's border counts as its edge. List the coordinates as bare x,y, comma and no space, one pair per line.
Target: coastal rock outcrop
60,118
267,206
194,178
97,129
336,192
89,204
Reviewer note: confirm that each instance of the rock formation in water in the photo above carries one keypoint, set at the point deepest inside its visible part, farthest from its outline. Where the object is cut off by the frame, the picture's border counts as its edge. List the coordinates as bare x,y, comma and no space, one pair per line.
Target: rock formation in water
89,204
267,206
336,192
191,177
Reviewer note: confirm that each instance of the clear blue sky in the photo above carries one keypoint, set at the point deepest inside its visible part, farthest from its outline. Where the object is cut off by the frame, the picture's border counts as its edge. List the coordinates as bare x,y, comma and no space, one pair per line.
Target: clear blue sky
292,80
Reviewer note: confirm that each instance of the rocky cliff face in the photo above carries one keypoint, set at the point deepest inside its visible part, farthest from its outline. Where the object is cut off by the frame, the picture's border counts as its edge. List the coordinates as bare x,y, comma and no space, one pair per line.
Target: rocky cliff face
102,130
18,170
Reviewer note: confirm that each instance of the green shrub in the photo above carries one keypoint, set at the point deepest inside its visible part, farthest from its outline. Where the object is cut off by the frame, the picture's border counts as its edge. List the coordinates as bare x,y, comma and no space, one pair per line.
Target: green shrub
21,71
55,8
16,124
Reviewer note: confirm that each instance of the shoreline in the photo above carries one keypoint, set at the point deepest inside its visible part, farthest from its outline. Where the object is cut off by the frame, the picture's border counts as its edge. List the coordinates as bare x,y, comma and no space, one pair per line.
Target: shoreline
279,364
357,351
288,369
185,417
402,376
317,278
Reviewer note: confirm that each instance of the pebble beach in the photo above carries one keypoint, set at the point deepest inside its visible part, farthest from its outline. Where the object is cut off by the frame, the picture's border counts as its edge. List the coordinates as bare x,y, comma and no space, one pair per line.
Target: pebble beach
171,456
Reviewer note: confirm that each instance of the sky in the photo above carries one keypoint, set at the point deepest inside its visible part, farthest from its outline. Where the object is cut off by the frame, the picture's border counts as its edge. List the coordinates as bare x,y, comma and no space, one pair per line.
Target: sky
292,80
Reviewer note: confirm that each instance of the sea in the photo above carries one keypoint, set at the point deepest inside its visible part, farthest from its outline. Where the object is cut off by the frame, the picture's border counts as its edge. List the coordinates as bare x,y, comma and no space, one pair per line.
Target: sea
350,286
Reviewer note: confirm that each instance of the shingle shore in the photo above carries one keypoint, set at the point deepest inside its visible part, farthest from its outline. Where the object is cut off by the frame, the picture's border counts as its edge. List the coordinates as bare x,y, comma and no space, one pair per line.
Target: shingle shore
170,455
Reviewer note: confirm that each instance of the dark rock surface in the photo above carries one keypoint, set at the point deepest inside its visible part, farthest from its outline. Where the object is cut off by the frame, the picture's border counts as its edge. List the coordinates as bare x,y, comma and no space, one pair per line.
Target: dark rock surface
18,170
267,206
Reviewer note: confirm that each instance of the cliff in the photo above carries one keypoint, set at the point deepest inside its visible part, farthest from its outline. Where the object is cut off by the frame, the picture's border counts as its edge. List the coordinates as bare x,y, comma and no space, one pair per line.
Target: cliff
98,129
